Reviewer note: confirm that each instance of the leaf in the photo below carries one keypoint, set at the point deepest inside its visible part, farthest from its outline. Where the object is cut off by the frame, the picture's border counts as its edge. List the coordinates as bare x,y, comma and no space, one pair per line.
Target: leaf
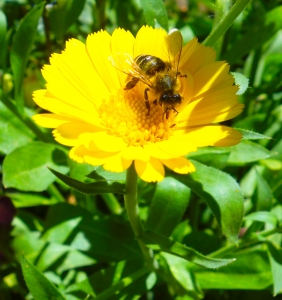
101,173
241,81
159,242
3,30
168,206
98,187
29,200
92,236
64,14
222,194
181,271
263,194
265,28
262,216
275,258
26,167
39,286
14,133
155,12
22,44
105,283
251,135
247,152
250,271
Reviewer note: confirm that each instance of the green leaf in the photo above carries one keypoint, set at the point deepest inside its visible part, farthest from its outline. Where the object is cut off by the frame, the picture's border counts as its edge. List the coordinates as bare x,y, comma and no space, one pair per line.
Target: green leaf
222,194
251,135
181,271
92,236
14,133
242,81
26,167
263,194
265,28
40,287
98,187
3,30
262,216
168,206
247,152
107,282
29,200
22,44
159,242
64,14
101,173
155,12
275,258
250,271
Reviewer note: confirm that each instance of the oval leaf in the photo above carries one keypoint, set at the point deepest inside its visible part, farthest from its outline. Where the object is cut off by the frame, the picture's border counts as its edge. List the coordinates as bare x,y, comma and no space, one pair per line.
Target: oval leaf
247,152
168,206
222,194
155,13
26,167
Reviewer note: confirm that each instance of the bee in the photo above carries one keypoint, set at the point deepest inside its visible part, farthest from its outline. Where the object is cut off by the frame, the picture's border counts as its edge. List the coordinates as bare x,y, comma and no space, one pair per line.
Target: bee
160,76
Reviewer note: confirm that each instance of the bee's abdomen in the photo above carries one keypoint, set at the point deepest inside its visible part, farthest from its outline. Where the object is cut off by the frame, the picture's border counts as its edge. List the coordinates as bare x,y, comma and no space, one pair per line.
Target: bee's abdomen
150,64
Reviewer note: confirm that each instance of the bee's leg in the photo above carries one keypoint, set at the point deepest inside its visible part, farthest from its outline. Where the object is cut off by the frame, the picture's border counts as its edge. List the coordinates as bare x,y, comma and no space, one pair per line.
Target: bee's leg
147,103
177,112
131,84
179,74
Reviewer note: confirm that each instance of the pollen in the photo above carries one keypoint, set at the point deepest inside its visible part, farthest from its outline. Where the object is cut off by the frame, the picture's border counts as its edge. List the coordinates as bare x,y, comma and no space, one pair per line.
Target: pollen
125,115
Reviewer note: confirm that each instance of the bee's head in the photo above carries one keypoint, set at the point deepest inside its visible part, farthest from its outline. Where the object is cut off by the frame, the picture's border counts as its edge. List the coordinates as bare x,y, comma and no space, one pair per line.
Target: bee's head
170,99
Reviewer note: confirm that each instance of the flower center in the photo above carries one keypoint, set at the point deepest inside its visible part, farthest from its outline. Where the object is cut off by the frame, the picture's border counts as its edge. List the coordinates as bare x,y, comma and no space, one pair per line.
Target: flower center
125,115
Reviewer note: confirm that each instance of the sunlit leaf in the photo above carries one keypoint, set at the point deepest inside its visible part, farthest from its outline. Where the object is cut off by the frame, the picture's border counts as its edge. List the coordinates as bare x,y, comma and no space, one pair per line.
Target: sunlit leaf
275,257
26,168
241,81
222,194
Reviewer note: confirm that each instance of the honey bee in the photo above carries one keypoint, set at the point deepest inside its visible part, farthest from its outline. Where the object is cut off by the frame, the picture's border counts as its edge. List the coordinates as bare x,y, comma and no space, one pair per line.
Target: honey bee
160,76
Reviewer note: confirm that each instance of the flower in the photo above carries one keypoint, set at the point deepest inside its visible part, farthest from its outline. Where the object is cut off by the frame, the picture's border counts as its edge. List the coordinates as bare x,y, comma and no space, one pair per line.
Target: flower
110,126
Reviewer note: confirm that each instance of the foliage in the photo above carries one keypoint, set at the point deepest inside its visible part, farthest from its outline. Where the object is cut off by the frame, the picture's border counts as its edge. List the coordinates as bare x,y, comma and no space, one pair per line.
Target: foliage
215,233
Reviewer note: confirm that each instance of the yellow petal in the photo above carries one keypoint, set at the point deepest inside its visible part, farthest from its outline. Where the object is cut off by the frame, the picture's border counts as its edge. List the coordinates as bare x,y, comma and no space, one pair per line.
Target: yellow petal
196,56
50,120
179,165
116,163
209,135
151,41
68,133
99,50
210,77
150,171
102,141
132,153
209,107
122,42
84,155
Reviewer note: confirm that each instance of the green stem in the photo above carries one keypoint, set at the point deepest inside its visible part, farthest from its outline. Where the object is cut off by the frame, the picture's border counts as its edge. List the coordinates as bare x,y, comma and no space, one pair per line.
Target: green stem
53,191
25,119
257,238
131,205
112,203
226,22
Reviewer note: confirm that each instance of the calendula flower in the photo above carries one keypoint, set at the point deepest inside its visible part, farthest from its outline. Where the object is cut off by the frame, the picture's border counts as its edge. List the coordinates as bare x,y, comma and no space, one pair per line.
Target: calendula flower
108,125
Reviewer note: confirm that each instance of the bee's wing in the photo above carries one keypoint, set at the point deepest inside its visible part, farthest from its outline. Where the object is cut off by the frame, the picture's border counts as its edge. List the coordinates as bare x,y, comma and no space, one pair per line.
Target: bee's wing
126,64
174,44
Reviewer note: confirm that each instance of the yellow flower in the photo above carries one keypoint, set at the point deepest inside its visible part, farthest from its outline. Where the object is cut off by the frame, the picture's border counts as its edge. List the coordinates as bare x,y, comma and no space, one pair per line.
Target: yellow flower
109,126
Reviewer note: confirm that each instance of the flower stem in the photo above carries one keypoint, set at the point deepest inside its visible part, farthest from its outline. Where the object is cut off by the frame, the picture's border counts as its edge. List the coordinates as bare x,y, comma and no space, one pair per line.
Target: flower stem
131,205
226,22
